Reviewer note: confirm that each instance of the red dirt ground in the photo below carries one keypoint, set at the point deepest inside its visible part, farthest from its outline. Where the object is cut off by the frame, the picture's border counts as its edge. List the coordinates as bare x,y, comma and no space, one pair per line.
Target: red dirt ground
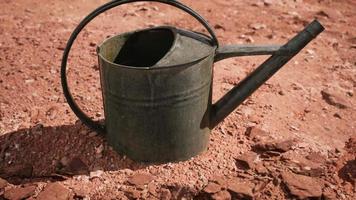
294,138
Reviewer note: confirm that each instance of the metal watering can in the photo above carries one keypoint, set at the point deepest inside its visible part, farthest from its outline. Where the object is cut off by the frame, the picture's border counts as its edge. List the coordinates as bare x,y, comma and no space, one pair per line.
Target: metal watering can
157,85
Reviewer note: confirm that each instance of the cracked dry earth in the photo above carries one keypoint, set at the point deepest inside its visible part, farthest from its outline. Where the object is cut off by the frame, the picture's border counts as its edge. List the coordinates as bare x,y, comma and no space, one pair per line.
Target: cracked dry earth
293,139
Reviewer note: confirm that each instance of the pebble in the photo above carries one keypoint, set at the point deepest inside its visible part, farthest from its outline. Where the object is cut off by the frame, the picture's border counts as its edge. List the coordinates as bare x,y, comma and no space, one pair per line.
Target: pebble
96,174
302,186
3,183
76,166
140,179
276,146
54,191
165,194
334,99
257,26
212,188
20,193
221,195
246,161
240,190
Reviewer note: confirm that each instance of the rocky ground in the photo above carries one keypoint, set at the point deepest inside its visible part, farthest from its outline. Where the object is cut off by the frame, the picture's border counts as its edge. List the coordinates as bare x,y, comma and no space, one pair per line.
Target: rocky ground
294,138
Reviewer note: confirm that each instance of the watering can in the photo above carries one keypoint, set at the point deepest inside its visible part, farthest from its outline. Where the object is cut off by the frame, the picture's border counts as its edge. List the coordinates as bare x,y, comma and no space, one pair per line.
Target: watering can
157,85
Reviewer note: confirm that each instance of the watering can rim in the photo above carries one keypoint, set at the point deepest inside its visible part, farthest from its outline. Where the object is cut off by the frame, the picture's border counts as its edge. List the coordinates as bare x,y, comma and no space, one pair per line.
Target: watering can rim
195,35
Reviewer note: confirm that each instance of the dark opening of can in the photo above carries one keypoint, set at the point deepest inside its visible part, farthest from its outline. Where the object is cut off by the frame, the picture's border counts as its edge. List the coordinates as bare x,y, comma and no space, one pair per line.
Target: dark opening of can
145,48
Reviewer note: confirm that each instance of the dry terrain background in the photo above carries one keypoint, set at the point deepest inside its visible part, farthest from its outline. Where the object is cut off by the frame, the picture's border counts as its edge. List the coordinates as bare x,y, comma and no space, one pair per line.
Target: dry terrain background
294,138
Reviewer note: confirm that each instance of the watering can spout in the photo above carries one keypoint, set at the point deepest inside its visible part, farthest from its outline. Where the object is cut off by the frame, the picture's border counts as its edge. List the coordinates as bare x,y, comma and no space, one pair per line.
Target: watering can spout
280,56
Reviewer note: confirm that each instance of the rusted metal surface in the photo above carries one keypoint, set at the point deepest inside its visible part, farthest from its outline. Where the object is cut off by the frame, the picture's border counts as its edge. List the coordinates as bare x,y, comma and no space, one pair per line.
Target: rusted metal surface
157,86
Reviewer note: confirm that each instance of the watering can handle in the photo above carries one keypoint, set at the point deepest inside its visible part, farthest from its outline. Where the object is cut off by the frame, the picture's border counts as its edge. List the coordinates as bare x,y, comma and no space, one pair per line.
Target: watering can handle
73,105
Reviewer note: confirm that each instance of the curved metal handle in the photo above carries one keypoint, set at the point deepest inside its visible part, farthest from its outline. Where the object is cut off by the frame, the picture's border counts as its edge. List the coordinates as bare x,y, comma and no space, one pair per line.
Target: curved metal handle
73,105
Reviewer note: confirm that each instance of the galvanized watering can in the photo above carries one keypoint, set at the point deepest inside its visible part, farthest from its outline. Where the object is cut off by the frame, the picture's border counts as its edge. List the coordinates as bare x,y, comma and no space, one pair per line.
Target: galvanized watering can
157,85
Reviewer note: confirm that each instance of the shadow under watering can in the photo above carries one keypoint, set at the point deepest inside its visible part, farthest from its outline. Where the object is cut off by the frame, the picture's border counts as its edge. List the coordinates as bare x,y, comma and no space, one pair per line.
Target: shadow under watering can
157,85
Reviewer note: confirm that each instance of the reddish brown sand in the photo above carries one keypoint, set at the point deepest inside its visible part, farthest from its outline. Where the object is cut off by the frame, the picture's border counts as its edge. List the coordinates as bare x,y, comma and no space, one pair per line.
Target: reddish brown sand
293,138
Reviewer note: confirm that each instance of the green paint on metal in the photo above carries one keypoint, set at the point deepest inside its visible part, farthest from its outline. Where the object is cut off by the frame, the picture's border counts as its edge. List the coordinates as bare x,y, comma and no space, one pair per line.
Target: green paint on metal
157,86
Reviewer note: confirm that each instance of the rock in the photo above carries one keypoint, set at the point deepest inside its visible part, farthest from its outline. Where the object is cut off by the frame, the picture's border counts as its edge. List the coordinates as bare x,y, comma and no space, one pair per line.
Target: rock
140,179
20,193
3,183
257,134
267,2
261,169
212,188
64,161
220,180
329,194
246,161
219,26
275,146
54,191
152,189
23,171
316,157
165,194
302,186
334,99
99,149
92,134
76,166
333,14
300,165
134,194
257,26
221,195
96,174
240,190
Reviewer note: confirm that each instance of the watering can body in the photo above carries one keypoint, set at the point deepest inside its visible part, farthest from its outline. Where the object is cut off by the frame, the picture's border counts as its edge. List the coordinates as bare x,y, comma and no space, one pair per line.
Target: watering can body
160,112
158,106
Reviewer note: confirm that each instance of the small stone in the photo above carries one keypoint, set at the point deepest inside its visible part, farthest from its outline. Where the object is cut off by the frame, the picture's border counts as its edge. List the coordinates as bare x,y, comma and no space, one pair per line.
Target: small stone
92,134
221,195
152,189
256,134
99,149
276,146
302,186
20,193
246,160
316,157
300,165
257,26
329,194
219,26
92,44
212,188
261,169
165,194
240,190
134,194
3,183
76,166
220,180
337,115
334,99
64,161
267,2
96,174
54,191
140,179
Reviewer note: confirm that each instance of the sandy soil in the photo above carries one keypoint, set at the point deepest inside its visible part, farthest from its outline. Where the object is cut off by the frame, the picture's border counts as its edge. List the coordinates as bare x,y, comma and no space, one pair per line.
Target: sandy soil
294,138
